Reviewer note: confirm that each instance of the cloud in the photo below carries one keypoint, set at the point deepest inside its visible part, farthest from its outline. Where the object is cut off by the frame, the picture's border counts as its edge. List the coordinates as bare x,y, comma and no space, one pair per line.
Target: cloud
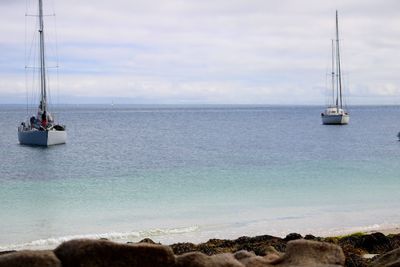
207,51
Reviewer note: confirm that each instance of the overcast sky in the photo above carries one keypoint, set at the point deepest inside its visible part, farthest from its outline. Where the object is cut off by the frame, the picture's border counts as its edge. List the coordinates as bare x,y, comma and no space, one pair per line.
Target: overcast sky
206,51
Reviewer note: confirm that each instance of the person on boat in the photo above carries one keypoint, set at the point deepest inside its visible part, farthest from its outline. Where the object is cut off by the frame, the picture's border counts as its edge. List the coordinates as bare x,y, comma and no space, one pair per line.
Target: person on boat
32,121
44,120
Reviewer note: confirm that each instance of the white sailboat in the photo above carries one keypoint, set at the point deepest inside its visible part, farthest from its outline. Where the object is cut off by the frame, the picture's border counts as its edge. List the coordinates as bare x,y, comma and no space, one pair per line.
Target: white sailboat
335,113
41,130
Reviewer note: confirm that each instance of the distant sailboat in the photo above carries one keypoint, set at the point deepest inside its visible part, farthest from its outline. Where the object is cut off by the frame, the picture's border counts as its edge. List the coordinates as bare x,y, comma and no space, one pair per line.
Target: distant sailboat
41,130
335,113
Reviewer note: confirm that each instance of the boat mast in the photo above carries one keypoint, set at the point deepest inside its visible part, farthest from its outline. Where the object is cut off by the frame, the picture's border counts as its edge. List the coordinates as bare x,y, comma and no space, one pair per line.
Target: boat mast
339,73
43,96
333,73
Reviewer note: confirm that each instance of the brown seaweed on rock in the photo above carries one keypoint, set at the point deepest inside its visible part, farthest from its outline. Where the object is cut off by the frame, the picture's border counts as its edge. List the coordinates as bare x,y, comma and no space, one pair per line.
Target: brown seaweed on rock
259,251
260,245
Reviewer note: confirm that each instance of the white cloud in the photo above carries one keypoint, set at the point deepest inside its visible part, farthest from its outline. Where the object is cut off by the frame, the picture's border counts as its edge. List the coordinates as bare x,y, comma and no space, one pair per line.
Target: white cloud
257,51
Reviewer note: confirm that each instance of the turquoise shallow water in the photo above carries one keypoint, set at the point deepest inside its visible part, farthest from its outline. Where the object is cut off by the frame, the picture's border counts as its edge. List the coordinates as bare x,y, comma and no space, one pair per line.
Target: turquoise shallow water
189,173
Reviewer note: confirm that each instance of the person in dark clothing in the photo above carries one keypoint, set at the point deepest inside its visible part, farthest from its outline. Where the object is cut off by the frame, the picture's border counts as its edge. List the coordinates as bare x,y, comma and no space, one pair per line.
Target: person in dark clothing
32,121
44,119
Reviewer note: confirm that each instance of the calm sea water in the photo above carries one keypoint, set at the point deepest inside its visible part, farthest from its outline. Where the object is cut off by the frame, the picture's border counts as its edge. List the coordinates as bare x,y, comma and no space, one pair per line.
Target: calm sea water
176,173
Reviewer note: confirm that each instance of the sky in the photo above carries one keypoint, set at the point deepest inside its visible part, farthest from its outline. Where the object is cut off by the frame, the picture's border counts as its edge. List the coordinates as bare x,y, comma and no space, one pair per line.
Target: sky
203,51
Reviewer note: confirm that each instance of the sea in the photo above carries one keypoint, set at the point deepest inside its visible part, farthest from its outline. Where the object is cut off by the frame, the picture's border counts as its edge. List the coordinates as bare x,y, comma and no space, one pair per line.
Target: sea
188,173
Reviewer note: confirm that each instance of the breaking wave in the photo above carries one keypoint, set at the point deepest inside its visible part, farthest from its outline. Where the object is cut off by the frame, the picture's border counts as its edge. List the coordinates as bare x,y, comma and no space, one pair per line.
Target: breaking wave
113,236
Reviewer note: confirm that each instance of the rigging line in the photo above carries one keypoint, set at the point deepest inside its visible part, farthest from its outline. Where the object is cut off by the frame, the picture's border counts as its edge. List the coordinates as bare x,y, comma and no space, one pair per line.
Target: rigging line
51,51
346,82
26,72
32,46
57,57
326,86
338,60
36,80
345,75
30,51
32,57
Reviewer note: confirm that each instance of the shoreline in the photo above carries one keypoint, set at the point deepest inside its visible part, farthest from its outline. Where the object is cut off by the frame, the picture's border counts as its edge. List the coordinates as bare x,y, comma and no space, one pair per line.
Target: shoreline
355,250
386,231
53,242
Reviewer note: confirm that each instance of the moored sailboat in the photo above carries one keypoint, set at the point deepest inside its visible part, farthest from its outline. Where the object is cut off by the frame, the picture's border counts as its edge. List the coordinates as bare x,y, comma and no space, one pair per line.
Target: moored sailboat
41,130
335,113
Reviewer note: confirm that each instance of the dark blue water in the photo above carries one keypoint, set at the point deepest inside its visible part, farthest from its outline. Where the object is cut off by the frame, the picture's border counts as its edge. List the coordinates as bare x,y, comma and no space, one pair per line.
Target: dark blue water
195,172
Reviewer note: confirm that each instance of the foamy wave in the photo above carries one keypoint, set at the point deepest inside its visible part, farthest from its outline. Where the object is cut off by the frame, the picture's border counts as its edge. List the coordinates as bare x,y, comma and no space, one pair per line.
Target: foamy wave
114,236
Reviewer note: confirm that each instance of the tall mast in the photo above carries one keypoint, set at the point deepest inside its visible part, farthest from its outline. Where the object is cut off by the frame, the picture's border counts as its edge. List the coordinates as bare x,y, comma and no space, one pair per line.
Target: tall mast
333,72
339,73
43,96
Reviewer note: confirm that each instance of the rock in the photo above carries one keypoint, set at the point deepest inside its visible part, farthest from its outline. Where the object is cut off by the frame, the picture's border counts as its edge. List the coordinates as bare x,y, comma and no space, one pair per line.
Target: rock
181,248
6,252
250,259
260,245
311,253
147,240
243,254
197,259
28,258
310,237
395,240
376,243
217,246
256,261
314,238
99,253
292,236
390,259
354,260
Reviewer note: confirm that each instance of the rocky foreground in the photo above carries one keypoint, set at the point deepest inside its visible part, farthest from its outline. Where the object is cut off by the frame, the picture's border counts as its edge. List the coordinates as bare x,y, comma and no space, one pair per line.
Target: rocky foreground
374,250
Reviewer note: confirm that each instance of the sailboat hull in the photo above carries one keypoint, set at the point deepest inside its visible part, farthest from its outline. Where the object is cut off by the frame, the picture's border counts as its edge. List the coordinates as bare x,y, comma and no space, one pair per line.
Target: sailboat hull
339,119
42,138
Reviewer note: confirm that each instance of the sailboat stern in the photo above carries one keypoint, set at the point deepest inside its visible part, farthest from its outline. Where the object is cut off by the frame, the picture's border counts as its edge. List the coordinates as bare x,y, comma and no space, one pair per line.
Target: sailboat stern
341,119
42,138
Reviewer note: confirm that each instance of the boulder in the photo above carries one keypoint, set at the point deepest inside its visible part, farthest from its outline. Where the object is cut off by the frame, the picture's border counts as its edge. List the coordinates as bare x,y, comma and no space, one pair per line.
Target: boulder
311,253
6,252
100,253
298,253
355,260
181,248
395,240
249,259
260,245
390,259
256,261
243,254
375,243
292,236
197,259
147,240
27,258
314,238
